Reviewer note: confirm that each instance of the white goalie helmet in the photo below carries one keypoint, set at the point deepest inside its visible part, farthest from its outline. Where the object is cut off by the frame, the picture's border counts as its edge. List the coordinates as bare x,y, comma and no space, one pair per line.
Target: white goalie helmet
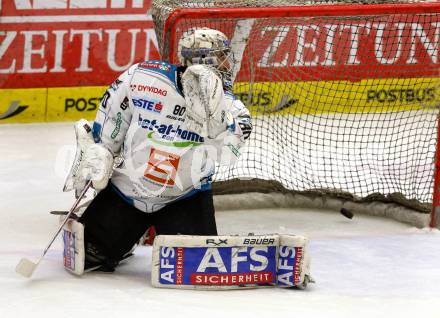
207,46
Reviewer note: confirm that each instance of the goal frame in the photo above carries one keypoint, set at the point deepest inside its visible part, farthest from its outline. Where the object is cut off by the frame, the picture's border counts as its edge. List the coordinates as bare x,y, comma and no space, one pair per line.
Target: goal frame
335,10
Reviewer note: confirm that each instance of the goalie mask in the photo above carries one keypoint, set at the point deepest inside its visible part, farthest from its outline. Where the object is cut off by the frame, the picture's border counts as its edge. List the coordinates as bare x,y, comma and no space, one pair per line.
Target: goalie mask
209,47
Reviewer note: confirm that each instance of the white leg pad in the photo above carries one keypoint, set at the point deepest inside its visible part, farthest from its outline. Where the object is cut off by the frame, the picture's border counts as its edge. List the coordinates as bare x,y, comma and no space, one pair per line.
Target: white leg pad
74,254
230,262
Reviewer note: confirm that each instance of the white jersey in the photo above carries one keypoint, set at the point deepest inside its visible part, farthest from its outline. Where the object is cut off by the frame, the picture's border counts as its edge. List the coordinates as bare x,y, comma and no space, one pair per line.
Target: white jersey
142,119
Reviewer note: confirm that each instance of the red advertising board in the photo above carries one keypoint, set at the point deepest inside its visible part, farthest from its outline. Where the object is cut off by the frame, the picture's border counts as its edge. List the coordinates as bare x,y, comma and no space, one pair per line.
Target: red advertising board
61,43
325,49
57,57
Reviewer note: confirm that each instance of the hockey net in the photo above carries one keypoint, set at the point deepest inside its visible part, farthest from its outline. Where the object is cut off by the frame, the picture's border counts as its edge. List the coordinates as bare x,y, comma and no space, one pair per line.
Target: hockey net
344,97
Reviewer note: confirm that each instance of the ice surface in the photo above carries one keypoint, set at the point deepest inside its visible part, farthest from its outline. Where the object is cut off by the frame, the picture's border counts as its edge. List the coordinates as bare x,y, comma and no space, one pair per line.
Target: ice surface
365,267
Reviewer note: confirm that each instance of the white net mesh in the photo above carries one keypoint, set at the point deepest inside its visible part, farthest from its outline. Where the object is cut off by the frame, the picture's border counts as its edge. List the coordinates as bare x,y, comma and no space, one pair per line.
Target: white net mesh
343,105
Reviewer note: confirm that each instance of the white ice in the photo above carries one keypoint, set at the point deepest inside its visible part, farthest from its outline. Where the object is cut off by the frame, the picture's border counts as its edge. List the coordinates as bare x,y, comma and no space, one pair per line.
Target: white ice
365,267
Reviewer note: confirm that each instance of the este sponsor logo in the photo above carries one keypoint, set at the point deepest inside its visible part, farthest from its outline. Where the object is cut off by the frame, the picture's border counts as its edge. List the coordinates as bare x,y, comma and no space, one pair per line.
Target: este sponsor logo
151,105
14,109
149,89
81,104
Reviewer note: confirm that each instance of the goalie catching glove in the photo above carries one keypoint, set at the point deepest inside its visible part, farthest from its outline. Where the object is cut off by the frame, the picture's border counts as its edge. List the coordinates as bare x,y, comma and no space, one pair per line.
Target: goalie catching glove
92,161
206,112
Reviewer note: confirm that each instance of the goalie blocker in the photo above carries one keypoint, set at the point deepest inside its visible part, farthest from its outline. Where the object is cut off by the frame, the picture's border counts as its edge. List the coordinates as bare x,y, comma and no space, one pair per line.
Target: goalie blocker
230,262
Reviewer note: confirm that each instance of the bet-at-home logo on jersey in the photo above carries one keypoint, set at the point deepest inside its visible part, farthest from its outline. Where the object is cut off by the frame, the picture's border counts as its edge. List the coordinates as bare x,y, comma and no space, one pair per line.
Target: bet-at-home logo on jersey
169,135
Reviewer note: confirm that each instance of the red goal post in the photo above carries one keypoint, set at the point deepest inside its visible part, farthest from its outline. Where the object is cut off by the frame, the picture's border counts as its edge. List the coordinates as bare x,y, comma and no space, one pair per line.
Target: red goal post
416,75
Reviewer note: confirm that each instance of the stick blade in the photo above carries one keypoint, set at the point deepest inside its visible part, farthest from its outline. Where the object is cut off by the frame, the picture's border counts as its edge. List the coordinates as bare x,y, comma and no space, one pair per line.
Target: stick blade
25,267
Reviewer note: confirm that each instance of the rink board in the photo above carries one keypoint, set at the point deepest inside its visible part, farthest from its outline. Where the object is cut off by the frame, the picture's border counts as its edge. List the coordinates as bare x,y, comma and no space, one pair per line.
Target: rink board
29,105
281,98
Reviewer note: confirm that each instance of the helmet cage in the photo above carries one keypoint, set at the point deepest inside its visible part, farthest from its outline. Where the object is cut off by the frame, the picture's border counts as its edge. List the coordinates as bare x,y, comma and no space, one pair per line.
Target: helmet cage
219,56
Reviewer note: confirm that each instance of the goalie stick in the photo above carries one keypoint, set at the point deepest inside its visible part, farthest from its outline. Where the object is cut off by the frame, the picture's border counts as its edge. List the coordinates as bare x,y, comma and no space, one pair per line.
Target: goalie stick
26,267
65,212
58,212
